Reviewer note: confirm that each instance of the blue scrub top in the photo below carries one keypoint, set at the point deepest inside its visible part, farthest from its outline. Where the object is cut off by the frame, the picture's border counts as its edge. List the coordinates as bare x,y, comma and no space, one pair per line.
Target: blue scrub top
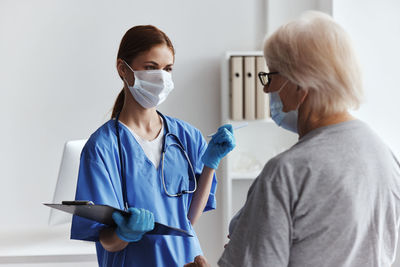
99,181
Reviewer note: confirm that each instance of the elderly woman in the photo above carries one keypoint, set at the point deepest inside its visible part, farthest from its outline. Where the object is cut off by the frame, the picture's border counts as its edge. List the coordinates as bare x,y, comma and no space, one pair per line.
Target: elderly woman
333,199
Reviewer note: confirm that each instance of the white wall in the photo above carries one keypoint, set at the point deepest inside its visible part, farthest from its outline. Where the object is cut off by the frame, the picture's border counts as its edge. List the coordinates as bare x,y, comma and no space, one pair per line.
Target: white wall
281,11
58,82
375,30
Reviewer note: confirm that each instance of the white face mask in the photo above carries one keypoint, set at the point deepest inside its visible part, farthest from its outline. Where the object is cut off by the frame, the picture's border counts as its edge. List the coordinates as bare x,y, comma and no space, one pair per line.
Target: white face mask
151,87
286,120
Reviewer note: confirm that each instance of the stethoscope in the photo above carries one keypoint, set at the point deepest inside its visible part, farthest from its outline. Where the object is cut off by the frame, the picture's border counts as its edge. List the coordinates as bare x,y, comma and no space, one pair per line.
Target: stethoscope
163,151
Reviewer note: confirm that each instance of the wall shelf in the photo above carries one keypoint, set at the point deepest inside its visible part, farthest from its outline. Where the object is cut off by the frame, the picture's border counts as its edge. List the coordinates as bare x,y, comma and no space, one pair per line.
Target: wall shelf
256,143
244,176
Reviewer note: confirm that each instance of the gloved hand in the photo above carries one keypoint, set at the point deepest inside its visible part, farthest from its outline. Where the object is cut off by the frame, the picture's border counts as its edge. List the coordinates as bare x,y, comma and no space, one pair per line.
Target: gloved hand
220,145
132,228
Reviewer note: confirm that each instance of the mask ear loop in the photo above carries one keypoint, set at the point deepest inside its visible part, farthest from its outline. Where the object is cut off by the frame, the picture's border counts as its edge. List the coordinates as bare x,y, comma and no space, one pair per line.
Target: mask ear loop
128,65
127,84
282,86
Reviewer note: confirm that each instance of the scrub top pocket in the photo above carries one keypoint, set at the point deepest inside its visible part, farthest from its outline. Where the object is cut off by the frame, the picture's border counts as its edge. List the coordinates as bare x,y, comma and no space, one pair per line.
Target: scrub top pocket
176,171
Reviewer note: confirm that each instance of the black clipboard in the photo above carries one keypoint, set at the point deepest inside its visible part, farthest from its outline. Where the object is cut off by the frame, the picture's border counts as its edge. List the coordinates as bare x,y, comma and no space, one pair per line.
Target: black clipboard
103,214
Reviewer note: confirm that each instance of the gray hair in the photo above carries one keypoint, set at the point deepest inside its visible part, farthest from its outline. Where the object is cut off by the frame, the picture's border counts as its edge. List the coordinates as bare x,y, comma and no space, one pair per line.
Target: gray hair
314,52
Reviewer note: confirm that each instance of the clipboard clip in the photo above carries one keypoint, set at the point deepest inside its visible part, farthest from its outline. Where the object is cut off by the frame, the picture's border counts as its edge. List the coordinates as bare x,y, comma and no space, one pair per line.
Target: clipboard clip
77,202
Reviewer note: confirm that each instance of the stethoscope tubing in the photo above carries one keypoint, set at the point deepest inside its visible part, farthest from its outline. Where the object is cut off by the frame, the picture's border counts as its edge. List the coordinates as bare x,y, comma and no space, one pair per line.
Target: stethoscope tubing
164,148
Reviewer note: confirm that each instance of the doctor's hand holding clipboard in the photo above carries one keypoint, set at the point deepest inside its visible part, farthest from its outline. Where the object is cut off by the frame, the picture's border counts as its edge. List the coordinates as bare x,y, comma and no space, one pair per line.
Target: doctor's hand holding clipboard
155,167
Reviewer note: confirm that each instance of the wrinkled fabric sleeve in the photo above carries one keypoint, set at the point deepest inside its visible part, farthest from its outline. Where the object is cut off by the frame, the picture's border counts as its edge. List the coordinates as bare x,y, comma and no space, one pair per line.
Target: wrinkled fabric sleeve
94,184
262,233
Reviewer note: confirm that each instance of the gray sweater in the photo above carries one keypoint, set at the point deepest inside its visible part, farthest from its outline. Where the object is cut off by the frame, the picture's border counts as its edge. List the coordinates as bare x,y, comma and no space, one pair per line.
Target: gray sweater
331,200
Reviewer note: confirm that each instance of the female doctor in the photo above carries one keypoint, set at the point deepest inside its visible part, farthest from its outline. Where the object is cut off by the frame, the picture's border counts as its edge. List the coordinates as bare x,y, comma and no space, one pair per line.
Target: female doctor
158,168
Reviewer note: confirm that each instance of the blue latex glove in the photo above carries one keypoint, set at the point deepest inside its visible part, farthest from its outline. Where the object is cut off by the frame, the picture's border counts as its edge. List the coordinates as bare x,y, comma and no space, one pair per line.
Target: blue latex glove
220,145
132,228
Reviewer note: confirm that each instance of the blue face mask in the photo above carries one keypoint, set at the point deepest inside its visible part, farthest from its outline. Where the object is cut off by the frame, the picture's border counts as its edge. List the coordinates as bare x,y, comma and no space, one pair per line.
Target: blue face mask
286,120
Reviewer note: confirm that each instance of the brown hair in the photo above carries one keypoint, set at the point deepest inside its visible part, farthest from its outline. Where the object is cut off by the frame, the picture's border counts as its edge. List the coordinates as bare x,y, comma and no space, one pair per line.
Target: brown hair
137,40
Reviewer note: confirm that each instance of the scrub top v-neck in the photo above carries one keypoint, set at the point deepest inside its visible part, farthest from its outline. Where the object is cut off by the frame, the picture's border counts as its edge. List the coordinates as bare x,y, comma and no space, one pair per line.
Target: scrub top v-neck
151,148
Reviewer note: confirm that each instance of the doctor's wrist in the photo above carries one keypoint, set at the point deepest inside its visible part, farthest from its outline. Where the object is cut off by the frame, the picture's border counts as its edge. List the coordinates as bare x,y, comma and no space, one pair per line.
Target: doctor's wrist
110,240
213,164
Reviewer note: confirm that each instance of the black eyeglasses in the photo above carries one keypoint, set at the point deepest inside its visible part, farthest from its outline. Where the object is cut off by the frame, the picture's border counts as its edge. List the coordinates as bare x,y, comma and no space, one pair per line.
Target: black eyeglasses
265,78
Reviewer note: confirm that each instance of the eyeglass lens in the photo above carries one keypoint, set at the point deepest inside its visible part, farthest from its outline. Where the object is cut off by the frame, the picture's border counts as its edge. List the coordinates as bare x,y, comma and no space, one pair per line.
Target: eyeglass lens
266,78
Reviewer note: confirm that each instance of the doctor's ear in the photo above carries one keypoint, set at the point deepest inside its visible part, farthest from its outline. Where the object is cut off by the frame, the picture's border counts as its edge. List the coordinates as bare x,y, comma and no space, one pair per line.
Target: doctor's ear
121,68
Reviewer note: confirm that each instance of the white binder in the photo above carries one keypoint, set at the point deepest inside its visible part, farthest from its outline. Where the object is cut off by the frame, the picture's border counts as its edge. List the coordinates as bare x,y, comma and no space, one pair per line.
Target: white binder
262,99
236,86
249,88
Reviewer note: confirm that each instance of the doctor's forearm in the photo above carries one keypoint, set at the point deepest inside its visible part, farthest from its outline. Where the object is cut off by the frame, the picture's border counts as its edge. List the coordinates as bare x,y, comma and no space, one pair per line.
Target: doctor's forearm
200,197
110,240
